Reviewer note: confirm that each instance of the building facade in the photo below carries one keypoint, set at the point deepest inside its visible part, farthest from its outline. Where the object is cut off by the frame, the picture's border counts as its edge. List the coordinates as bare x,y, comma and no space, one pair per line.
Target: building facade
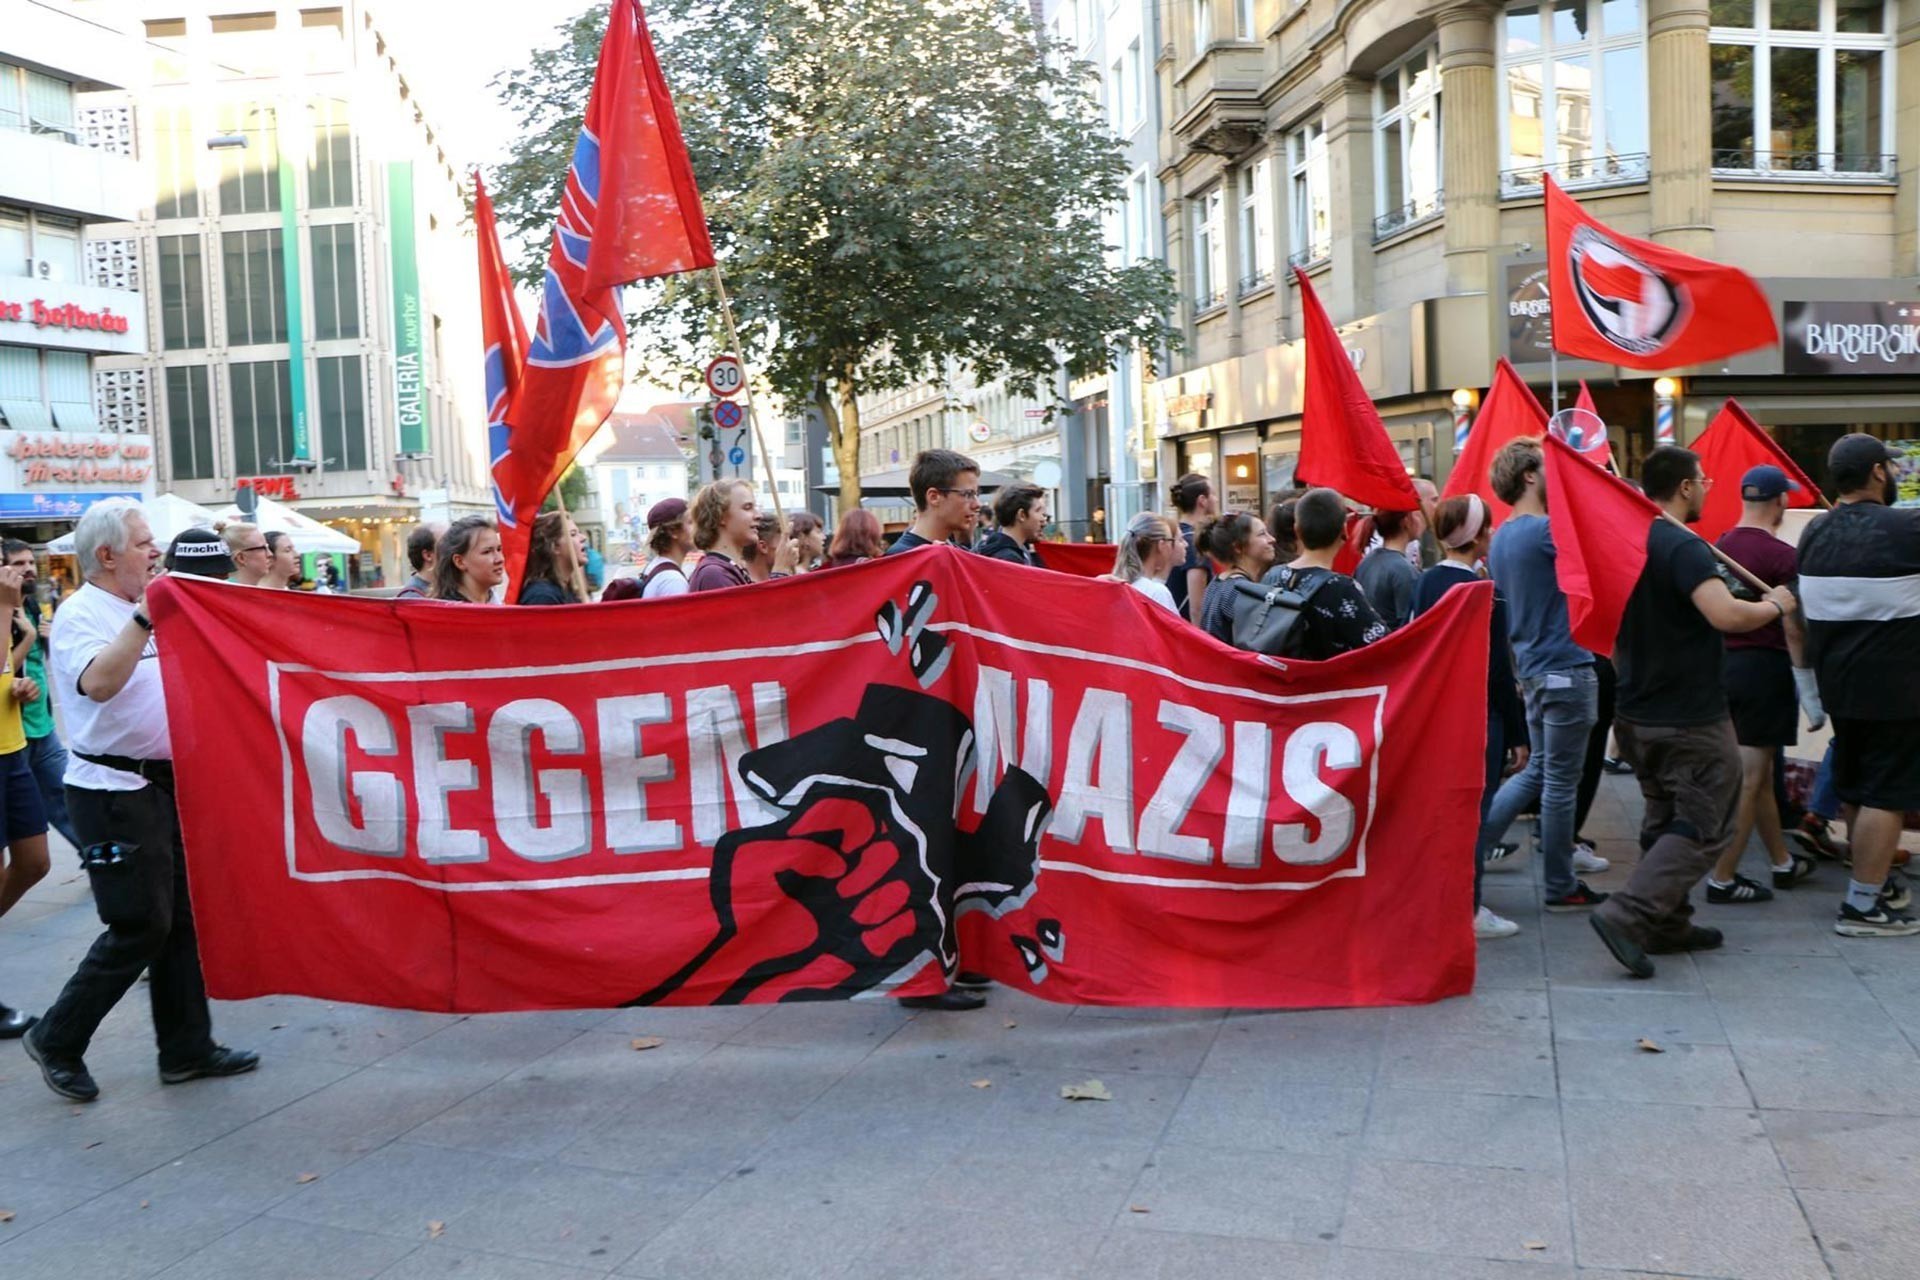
69,295
310,278
642,459
1394,151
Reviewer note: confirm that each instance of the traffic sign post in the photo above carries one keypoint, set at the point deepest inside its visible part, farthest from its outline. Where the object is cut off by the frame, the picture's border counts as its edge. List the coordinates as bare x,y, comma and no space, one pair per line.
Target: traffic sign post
726,414
725,377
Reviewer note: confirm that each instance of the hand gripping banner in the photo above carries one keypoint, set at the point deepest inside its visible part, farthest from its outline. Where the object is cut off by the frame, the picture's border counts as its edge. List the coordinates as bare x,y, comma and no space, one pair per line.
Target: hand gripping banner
840,785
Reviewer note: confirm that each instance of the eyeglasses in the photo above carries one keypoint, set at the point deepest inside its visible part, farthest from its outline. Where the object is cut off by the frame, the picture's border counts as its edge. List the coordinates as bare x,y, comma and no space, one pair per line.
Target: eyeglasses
262,547
966,495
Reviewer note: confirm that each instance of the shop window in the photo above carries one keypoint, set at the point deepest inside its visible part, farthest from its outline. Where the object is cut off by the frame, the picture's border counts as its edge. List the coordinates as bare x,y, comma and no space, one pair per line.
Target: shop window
255,282
262,417
1310,191
189,423
23,401
1243,482
1575,93
342,388
56,248
1802,88
183,293
336,283
1407,154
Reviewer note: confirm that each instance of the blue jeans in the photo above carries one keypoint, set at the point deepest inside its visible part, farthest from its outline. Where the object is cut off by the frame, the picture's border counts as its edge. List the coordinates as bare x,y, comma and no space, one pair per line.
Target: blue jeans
1562,707
48,760
1823,801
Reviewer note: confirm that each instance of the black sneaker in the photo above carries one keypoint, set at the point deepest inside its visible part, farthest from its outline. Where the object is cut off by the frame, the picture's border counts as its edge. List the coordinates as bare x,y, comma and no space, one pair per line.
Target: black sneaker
1881,922
1698,937
1895,893
1504,856
967,980
67,1077
1579,898
950,1001
1631,955
1741,890
1799,867
221,1062
1614,765
1813,835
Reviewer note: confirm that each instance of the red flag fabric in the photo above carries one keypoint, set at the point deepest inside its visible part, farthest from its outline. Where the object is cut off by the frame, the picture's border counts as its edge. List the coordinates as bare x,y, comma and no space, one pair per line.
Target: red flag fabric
1343,443
629,211
1600,527
1729,446
1082,559
503,329
1636,303
599,805
1601,454
1509,411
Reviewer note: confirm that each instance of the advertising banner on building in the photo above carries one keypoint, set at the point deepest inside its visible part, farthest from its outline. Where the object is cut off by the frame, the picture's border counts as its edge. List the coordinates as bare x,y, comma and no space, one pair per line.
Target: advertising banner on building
409,345
921,761
1851,338
57,475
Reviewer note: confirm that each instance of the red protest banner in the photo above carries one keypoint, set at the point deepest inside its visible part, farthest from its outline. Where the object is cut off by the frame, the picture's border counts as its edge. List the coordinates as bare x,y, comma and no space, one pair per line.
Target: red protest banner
471,808
1085,559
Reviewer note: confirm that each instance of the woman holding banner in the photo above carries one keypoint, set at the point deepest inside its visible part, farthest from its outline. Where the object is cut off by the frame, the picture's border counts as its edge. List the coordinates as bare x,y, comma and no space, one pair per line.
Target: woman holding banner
1149,549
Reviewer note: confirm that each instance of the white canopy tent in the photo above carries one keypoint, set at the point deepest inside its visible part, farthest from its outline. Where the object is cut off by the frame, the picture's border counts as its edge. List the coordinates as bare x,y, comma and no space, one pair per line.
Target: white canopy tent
167,516
310,537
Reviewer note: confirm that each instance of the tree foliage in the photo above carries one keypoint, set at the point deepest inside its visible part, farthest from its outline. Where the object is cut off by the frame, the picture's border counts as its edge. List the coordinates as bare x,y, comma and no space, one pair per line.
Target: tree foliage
891,184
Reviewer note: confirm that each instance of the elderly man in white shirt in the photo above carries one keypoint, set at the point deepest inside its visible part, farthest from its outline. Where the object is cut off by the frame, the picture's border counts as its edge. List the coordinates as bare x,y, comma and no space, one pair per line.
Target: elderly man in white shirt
120,797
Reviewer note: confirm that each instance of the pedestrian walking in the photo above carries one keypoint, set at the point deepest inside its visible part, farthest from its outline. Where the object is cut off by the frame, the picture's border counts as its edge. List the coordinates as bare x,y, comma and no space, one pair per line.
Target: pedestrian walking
469,563
946,497
1672,721
670,541
46,755
120,793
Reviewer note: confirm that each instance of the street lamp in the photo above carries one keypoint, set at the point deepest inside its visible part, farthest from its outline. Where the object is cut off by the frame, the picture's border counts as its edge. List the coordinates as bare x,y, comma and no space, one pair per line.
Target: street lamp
1665,392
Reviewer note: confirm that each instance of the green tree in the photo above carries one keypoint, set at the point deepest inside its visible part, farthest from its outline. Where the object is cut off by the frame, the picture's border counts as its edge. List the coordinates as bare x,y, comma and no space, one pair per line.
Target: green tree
572,489
891,184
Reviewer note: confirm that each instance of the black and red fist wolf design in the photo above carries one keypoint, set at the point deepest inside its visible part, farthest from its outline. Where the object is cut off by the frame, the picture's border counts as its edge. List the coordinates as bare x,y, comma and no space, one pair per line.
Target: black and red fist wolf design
857,887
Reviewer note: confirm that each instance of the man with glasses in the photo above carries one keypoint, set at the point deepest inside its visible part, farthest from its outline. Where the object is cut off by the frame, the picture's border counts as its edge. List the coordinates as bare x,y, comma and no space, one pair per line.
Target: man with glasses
946,494
1672,722
252,557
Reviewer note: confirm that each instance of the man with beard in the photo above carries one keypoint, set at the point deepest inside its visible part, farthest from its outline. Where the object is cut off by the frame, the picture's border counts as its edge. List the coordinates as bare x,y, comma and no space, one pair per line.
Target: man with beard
46,756
1860,581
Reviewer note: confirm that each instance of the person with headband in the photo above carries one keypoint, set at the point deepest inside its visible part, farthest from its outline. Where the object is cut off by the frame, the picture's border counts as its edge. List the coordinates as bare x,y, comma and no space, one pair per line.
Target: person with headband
1463,527
1149,549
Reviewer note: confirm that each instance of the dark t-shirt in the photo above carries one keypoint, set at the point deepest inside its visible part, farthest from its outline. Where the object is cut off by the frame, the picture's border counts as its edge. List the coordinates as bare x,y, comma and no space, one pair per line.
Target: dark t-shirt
715,571
1774,563
1388,578
1177,580
545,592
1667,653
907,541
1860,588
1337,618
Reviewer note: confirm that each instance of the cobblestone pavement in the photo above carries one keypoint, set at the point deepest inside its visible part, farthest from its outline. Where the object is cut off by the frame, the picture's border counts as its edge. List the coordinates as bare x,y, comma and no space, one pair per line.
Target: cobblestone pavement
1522,1131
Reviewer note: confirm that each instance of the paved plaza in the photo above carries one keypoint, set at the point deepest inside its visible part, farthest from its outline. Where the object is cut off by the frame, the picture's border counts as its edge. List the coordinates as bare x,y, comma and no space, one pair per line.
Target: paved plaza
1524,1131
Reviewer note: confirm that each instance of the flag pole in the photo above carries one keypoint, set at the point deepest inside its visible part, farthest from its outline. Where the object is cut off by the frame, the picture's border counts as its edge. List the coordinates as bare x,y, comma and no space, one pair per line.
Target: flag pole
746,383
1746,575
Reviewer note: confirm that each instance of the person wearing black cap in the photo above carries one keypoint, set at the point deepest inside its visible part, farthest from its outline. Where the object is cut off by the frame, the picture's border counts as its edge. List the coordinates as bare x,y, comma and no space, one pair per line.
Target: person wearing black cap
200,552
670,539
1765,684
120,794
1860,592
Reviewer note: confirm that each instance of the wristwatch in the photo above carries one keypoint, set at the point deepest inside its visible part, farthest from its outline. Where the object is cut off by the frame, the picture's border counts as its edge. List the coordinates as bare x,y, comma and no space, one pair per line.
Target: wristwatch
143,619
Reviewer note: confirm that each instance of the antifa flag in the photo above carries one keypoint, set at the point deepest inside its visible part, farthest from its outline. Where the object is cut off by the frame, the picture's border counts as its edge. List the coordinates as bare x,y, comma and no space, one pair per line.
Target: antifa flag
1343,443
503,329
1600,529
455,807
1632,302
1729,447
629,211
1509,412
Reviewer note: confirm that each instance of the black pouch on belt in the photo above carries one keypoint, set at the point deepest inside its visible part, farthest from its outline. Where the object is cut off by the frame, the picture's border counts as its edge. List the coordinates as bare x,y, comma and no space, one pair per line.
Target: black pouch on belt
118,894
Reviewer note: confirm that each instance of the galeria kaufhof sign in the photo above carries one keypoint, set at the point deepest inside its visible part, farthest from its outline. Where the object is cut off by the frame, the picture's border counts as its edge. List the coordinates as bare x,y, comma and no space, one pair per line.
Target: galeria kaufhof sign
1843,338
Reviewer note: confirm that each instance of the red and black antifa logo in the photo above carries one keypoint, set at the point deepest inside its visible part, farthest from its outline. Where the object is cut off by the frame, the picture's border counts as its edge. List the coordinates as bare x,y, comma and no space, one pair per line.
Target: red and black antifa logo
1628,303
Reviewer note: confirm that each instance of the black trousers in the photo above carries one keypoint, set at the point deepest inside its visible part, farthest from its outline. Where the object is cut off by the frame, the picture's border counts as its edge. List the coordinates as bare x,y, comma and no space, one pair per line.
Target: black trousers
149,926
1596,746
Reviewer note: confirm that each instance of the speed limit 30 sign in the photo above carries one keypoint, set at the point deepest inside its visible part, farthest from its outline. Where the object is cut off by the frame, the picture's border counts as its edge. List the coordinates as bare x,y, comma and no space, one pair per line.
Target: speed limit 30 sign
725,377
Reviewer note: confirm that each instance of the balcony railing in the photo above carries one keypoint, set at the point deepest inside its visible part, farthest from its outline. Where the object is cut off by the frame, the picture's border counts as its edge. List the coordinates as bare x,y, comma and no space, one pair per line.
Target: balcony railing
1309,256
1592,171
1207,299
1255,281
1409,214
1806,166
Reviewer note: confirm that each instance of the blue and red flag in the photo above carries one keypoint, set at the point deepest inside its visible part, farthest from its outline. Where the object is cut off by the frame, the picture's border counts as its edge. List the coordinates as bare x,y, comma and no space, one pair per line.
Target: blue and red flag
503,329
630,211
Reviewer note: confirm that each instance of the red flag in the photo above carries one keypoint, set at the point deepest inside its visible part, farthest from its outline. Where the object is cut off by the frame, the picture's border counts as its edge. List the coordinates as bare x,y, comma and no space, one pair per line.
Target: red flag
1636,303
1343,443
629,211
1734,443
1600,527
1509,412
1602,453
503,329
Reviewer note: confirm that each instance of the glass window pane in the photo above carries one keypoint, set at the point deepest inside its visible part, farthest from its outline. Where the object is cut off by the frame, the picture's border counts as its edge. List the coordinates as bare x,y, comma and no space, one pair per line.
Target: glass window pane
1423,154
1569,22
1626,95
1794,130
14,255
1860,15
1523,29
1389,91
1526,139
1732,106
1572,113
1730,13
58,247
1619,18
1423,77
1795,15
183,298
1857,100
1393,184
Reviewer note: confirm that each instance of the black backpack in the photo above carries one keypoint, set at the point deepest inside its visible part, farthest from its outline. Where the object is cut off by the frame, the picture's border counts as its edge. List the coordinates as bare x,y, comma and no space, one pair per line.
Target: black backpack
1267,617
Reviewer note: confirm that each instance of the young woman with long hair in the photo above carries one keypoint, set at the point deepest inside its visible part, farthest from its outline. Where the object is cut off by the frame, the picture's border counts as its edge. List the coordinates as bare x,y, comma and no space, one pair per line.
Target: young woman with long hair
553,562
469,563
858,538
1242,544
1149,549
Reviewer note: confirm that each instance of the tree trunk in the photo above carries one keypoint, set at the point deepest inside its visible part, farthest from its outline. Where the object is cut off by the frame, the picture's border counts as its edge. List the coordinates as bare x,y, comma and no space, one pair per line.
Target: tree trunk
843,429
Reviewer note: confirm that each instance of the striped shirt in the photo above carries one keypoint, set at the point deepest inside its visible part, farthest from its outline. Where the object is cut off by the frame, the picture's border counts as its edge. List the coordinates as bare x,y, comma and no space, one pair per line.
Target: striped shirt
1860,589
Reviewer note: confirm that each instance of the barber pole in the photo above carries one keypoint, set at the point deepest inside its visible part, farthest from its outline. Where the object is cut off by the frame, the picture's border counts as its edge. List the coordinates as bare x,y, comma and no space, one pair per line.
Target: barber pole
1663,421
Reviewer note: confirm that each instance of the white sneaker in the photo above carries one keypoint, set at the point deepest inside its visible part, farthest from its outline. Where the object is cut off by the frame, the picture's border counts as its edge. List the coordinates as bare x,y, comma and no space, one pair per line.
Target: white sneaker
1586,862
1488,925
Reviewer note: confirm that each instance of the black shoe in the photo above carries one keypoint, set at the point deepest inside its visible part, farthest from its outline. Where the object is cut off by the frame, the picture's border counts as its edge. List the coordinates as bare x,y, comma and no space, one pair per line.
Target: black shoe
967,980
67,1077
1799,867
1579,898
1741,890
14,1022
221,1062
1614,765
949,1001
1881,922
1813,835
1895,894
1697,938
1631,955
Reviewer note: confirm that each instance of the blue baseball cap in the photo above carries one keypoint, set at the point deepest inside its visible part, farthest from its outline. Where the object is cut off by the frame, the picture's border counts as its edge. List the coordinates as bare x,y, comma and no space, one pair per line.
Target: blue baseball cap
1765,482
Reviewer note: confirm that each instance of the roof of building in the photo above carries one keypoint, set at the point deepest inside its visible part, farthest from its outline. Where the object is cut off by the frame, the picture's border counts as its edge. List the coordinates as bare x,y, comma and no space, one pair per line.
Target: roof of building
654,436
